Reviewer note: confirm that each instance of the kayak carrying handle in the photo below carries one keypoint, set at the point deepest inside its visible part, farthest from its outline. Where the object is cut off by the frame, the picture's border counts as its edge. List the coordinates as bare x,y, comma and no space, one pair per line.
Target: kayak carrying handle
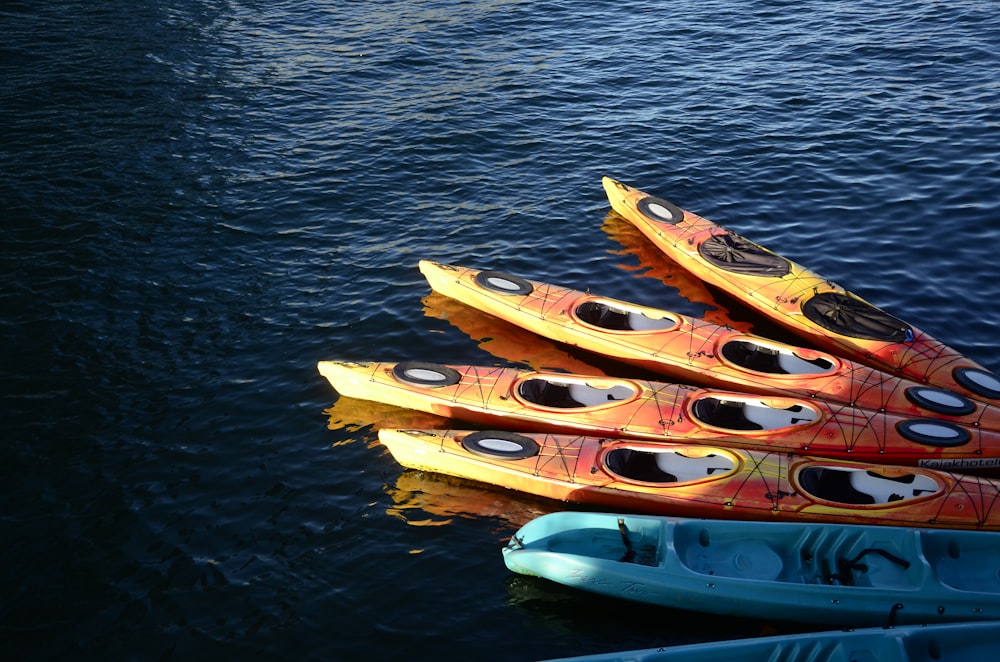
881,552
846,566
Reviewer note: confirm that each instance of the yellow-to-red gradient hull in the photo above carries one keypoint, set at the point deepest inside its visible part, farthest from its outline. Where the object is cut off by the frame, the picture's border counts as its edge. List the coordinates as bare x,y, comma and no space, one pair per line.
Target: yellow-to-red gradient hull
694,351
632,408
702,481
798,299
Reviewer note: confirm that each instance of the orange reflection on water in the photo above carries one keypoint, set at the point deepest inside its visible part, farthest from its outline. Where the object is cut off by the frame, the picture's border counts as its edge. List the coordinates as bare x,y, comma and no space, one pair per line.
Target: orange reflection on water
654,264
417,494
426,499
504,340
351,415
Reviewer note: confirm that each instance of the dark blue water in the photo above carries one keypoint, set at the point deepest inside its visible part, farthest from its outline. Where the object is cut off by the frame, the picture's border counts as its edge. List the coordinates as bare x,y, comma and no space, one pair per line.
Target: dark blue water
201,200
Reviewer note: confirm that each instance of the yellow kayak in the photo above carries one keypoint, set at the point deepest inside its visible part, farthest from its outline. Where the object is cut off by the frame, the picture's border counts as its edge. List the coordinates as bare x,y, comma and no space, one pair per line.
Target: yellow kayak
631,408
798,299
694,351
702,480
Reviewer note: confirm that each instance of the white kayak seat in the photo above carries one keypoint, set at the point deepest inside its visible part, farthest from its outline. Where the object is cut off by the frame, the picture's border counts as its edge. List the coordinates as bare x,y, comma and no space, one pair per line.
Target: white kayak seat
640,322
795,365
772,418
721,413
887,490
591,396
685,468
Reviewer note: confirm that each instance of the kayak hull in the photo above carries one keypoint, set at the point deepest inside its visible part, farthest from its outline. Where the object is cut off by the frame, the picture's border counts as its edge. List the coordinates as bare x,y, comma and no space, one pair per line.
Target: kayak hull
695,351
628,408
817,573
695,480
800,300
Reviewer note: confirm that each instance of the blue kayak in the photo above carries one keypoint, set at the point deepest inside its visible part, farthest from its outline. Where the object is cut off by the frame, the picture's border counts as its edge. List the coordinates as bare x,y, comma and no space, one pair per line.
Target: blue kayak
838,575
955,642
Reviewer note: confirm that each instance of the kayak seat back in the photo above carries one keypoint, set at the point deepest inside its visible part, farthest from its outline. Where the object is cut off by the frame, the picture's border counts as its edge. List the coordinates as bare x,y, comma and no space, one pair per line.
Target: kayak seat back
602,315
633,464
832,485
773,418
861,487
887,490
750,414
723,414
640,322
571,395
591,396
685,468
772,360
545,393
753,357
612,318
796,365
666,466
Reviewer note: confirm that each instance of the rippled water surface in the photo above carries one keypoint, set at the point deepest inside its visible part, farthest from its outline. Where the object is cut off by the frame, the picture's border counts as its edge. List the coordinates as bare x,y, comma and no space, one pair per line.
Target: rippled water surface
202,199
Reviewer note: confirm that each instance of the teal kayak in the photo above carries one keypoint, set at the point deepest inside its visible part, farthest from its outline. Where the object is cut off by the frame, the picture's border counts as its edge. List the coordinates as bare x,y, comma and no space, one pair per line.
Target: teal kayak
955,642
838,575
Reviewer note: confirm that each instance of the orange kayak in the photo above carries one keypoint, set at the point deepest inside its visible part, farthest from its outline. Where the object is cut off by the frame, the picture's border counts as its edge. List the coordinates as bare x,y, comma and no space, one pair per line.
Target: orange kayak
694,351
798,299
632,408
702,481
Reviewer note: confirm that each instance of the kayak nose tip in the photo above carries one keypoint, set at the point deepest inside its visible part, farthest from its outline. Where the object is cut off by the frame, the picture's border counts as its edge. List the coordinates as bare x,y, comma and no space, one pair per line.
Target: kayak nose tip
614,189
